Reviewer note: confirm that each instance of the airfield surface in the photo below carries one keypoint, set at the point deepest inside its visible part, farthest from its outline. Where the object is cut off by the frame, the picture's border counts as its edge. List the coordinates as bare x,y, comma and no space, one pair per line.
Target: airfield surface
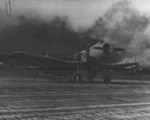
29,99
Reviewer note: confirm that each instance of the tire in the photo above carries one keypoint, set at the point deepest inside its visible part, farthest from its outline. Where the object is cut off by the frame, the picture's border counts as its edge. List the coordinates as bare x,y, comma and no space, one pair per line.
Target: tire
77,78
107,79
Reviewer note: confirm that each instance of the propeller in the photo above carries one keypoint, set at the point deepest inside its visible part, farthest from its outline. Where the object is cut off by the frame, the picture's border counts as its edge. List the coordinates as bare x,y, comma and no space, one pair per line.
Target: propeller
115,49
119,49
108,49
98,48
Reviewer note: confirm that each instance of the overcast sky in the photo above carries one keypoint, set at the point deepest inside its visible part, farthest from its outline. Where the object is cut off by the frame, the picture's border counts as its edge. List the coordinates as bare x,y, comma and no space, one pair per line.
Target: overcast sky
80,12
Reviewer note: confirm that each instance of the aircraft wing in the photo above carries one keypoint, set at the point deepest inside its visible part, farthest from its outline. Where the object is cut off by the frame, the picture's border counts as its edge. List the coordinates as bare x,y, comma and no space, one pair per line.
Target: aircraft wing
122,66
41,61
44,62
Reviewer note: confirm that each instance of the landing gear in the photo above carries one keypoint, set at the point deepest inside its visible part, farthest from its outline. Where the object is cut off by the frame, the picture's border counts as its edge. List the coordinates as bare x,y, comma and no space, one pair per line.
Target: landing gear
77,78
106,76
77,75
107,79
91,75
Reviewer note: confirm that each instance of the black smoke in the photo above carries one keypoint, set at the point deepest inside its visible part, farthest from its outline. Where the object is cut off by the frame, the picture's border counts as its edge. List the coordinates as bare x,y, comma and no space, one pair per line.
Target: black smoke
122,25
35,35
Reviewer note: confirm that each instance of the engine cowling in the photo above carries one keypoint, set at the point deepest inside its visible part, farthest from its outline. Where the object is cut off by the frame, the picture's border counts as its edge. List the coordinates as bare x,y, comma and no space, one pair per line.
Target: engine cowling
107,49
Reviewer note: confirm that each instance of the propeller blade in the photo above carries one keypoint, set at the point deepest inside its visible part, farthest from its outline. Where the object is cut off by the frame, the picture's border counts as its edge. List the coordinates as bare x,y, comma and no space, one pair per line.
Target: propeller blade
119,49
116,49
98,48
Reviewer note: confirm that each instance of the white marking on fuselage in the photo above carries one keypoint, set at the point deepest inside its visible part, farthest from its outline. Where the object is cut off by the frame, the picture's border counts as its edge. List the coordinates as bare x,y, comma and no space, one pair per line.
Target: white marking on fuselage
94,52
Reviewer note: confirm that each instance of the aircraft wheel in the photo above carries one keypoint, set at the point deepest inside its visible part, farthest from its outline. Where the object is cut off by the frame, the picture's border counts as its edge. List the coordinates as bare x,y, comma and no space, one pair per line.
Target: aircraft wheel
77,78
107,79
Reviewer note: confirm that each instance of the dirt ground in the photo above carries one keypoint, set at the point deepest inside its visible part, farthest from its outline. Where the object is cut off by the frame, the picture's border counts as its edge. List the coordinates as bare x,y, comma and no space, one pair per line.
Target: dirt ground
24,98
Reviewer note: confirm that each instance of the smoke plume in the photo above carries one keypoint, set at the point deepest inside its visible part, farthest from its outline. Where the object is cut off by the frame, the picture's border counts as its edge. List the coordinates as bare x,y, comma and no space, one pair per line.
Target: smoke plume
35,35
39,27
123,26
